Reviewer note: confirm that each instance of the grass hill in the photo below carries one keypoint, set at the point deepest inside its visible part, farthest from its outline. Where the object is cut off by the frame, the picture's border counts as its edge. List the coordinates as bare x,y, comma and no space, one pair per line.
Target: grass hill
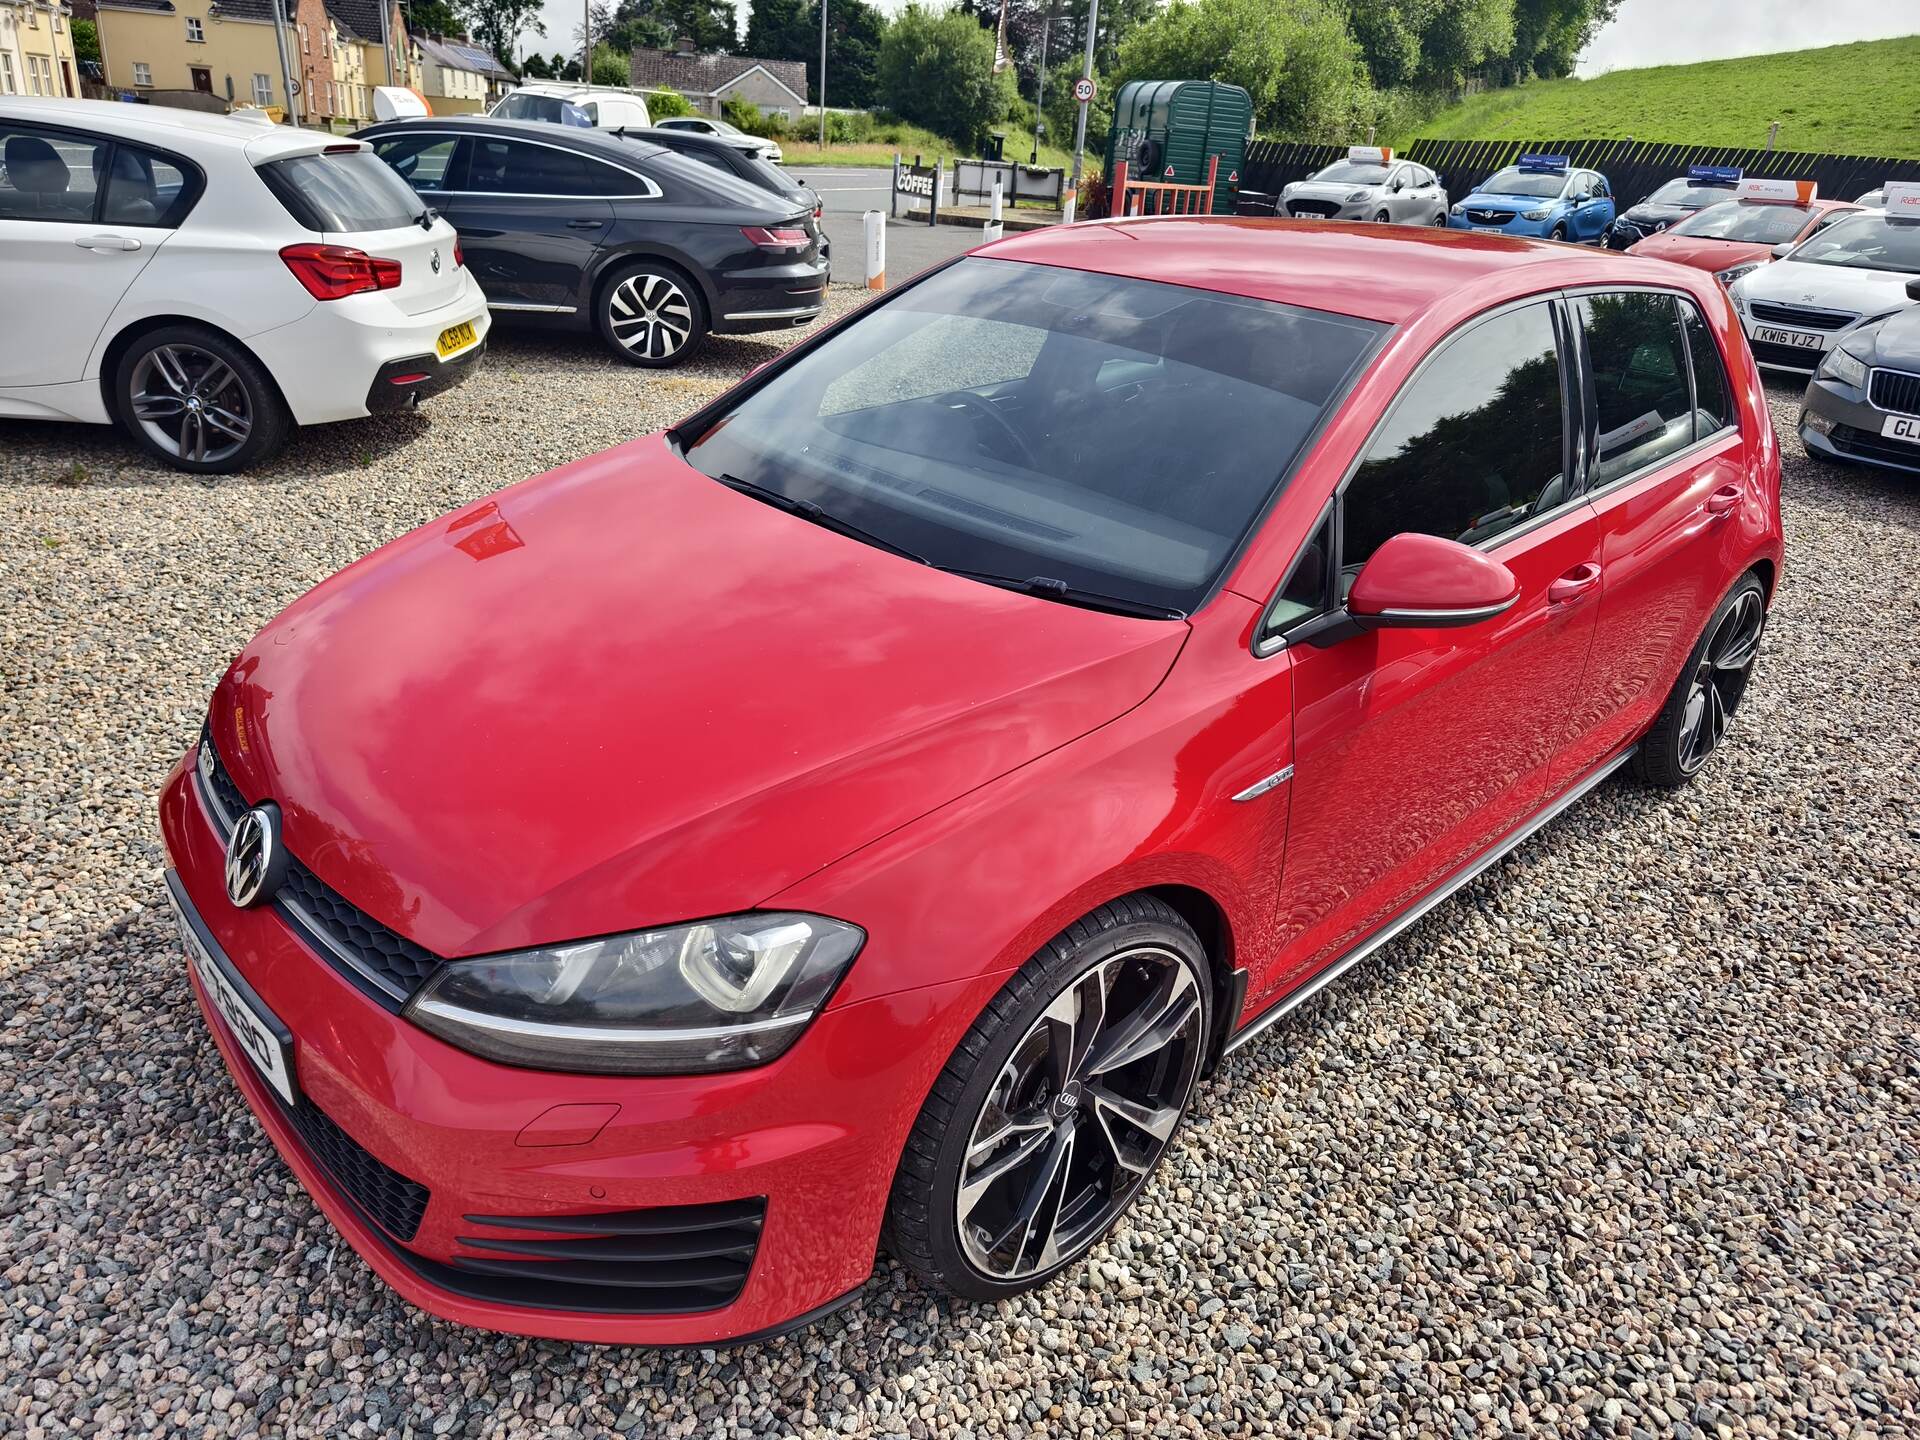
1861,99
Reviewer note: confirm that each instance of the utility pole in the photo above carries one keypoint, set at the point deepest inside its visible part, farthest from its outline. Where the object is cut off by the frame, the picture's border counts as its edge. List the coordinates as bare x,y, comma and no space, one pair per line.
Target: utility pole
287,80
1040,85
586,42
823,74
386,38
1080,125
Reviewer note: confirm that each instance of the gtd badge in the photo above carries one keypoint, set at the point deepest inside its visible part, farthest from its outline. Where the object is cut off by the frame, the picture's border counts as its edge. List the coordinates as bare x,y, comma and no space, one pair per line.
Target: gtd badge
256,863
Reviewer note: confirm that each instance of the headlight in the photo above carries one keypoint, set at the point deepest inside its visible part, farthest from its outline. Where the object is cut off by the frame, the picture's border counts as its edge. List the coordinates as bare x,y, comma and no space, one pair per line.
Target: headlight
1290,187
1459,209
1536,214
1847,369
719,995
1357,196
1734,272
1739,300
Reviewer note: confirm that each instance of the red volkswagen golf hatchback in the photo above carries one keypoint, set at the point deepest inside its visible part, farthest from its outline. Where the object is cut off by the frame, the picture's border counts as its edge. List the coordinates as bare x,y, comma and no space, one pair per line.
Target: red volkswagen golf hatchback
863,813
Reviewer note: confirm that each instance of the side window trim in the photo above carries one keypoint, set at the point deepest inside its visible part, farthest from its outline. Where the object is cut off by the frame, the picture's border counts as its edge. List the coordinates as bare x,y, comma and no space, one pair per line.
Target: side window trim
1265,645
1271,642
1587,489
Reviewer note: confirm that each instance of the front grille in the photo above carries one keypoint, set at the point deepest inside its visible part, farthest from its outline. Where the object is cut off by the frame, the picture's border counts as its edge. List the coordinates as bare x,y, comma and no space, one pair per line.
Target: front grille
389,1197
1785,357
1895,390
664,1261
1489,217
1323,208
1866,445
384,964
1800,317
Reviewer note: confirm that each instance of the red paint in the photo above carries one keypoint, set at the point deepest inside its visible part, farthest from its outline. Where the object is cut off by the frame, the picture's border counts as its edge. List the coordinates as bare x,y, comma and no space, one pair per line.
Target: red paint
1707,254
1425,573
665,700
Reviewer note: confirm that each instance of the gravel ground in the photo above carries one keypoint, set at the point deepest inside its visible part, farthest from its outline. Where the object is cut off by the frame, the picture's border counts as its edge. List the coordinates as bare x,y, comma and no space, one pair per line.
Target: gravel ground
1621,1141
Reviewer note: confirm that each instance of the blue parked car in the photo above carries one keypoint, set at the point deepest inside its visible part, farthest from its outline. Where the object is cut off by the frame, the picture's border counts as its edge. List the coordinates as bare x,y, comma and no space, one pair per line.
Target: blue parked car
1541,195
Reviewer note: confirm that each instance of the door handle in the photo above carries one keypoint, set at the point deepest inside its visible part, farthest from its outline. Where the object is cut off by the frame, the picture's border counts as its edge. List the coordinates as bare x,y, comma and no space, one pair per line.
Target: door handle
585,224
107,242
1576,584
1722,501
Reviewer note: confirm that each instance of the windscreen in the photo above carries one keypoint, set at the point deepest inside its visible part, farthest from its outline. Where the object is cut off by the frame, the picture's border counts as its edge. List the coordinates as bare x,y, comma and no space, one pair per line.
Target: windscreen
1346,172
1749,222
1515,181
1866,242
342,192
1112,435
547,109
1681,195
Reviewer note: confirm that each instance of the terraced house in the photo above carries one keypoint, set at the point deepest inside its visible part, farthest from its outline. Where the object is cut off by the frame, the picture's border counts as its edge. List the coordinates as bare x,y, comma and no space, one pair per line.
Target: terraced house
36,48
229,51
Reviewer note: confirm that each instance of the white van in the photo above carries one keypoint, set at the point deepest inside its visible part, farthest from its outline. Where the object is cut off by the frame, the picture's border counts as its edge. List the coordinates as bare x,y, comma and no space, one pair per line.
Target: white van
560,102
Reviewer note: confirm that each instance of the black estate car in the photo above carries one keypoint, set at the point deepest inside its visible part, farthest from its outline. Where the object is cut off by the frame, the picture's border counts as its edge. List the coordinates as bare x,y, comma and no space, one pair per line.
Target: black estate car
582,228
724,155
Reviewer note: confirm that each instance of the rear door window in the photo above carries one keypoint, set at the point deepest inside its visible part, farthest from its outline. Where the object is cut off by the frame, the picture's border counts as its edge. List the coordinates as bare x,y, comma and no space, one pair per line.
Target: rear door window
1642,395
342,192
513,167
49,176
1473,446
1711,410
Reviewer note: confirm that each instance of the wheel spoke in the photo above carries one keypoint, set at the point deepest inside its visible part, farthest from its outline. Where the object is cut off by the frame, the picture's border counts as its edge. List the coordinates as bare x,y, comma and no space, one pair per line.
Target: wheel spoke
1153,1027
166,362
624,299
226,422
217,377
1155,1120
974,1187
149,406
1026,1220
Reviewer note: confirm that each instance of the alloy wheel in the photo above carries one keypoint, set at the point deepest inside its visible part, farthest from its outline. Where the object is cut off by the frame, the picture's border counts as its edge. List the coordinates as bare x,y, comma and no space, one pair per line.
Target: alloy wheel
191,403
1079,1113
1720,679
650,315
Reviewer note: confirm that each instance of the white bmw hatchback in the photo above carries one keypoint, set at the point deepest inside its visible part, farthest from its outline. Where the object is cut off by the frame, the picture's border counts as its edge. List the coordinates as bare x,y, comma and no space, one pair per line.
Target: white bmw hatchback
208,283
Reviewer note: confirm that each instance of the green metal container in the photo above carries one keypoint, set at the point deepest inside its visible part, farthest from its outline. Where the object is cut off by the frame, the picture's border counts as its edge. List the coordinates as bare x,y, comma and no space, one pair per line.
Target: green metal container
1166,129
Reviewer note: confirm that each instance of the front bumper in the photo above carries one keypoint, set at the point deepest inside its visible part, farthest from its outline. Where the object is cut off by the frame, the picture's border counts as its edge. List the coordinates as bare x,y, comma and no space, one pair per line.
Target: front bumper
1837,423
1510,225
436,1165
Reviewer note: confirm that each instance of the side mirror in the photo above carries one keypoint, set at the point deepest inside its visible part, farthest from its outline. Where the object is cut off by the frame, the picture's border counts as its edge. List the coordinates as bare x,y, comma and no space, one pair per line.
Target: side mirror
1580,197
1421,582
1780,250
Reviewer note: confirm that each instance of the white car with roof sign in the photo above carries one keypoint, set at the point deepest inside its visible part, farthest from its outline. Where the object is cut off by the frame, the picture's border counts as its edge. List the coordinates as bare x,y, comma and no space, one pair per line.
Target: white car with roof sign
208,283
1850,274
1370,184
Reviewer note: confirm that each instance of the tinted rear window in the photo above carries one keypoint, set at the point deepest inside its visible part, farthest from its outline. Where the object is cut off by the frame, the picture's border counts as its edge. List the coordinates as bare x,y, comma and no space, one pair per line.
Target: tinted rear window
342,193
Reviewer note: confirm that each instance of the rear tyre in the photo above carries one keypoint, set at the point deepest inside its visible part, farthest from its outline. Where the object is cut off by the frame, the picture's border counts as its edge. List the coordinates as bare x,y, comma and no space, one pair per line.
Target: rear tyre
1693,722
1056,1106
199,401
651,314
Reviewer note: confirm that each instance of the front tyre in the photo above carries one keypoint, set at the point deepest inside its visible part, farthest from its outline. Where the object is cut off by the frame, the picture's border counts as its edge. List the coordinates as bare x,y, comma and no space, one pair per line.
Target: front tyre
199,401
1056,1106
651,314
1559,232
1693,722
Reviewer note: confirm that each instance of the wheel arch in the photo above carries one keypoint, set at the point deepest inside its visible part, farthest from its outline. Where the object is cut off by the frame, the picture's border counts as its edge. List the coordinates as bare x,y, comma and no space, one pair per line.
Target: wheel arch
134,331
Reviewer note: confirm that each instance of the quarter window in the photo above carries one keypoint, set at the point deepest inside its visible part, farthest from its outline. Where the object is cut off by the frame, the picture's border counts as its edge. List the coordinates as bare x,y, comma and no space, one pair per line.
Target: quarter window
1642,398
424,161
1473,446
143,189
1711,411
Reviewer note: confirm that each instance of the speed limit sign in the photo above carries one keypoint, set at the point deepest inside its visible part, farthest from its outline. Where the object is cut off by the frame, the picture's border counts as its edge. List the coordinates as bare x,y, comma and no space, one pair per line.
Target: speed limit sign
1083,89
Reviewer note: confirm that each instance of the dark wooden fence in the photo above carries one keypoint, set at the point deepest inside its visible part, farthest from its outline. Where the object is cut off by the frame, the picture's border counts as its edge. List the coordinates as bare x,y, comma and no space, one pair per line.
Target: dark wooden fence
1634,168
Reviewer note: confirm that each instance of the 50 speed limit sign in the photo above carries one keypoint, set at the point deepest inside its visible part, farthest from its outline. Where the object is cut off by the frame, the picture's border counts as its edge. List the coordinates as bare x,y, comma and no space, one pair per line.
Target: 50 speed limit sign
1083,89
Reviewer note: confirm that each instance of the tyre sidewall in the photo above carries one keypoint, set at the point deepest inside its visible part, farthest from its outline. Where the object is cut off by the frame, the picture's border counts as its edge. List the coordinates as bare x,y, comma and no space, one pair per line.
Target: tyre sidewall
955,1269
271,423
1663,739
696,301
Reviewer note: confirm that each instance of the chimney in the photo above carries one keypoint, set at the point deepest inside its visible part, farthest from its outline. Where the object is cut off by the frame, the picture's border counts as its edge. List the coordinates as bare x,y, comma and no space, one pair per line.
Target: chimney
683,47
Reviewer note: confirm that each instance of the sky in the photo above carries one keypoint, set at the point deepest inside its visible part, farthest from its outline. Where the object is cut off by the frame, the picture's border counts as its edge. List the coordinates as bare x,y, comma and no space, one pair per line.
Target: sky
1644,32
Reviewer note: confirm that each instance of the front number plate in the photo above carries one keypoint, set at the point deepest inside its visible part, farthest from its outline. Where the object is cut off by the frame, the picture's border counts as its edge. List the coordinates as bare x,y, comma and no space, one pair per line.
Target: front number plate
455,338
1798,339
1901,427
249,1021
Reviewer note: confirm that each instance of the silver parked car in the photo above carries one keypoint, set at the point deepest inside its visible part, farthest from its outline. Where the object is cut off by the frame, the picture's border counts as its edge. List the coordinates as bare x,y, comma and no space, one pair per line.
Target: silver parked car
1368,185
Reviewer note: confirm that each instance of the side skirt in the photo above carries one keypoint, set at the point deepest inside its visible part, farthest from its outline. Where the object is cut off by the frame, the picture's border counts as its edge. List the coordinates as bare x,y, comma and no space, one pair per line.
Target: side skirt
1413,913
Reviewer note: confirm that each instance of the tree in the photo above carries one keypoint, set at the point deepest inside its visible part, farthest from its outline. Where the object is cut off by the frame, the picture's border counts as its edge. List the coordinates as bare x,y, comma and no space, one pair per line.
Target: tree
431,17
86,41
790,30
1296,59
499,24
706,25
936,70
535,67
665,104
611,67
1550,34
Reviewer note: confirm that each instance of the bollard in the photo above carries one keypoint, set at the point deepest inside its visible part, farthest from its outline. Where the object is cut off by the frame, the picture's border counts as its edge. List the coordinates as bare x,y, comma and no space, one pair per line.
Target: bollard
876,235
994,228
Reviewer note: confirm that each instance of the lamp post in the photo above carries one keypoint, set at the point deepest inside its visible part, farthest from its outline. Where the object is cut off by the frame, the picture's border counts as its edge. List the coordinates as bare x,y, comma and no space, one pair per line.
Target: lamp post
823,74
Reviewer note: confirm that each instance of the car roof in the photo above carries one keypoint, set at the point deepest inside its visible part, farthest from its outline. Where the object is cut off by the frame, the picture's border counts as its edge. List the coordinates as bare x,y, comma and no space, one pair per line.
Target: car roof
1389,273
595,141
163,124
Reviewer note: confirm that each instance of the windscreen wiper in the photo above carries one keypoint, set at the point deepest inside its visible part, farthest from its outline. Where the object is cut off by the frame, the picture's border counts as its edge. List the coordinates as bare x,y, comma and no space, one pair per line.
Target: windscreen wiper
1048,588
826,520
